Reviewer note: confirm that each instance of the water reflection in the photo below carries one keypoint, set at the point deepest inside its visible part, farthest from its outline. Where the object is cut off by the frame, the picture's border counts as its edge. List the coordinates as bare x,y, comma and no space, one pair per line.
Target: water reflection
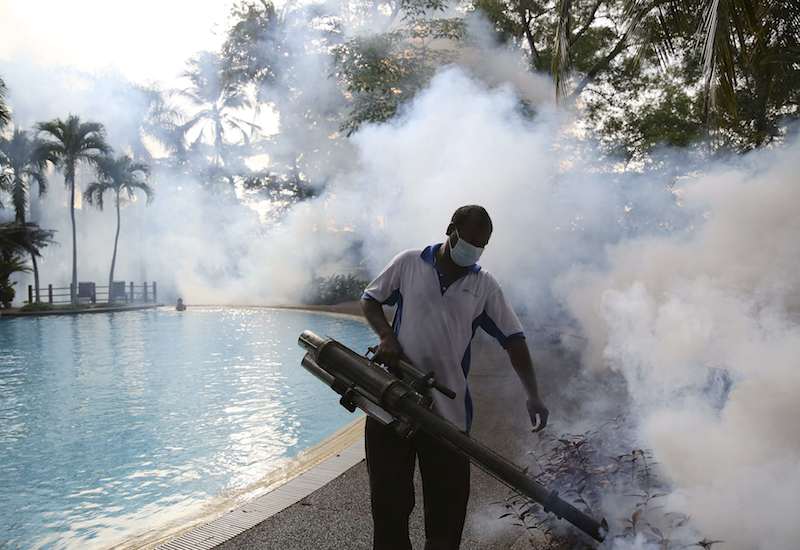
112,424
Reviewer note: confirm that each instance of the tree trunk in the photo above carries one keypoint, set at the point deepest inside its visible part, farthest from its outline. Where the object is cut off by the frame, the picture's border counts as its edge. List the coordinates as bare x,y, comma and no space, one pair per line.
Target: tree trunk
35,278
20,218
114,255
600,66
523,13
71,183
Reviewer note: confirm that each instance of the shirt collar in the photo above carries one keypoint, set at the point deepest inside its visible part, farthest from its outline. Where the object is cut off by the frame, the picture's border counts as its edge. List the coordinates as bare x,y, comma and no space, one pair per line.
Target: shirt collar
430,252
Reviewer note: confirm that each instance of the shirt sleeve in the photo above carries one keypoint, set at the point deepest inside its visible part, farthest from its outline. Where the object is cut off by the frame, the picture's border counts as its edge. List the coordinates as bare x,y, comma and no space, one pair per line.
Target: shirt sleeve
385,288
499,319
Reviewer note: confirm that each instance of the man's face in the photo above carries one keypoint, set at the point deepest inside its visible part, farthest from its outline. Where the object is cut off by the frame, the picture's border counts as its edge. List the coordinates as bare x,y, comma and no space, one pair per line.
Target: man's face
475,233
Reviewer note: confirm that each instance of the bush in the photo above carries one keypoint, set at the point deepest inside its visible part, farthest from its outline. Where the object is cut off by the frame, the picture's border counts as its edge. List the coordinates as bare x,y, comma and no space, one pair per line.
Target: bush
335,289
41,306
7,293
10,262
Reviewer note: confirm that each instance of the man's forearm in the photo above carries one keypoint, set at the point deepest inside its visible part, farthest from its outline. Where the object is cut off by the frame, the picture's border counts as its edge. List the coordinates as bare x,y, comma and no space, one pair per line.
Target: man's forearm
373,311
523,365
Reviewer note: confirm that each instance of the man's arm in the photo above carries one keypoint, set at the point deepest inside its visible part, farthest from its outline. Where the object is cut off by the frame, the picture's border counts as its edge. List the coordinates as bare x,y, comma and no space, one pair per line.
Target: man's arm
389,350
520,356
384,289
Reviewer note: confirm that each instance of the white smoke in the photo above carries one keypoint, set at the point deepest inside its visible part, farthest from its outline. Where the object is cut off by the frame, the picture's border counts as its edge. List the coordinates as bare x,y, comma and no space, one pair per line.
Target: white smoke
209,247
704,328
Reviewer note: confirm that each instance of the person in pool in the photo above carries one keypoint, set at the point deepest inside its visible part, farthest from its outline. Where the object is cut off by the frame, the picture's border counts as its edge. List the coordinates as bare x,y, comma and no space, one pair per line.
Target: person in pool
442,295
180,306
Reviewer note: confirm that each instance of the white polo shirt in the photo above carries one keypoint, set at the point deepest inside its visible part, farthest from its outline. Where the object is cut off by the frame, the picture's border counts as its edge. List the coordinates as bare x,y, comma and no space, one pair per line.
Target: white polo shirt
435,323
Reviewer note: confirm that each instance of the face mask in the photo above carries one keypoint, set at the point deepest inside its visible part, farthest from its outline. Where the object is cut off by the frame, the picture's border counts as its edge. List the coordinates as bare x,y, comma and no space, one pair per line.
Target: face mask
464,254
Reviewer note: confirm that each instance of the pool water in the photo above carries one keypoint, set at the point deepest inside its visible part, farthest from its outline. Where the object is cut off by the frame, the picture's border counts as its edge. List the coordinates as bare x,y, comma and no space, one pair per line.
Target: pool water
111,424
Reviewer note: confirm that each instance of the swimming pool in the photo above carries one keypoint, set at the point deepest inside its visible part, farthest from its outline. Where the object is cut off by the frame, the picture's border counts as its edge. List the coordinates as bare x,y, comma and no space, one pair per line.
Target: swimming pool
112,423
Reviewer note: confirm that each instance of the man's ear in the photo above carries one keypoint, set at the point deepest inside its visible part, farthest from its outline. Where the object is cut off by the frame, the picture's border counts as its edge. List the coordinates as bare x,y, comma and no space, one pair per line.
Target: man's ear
450,229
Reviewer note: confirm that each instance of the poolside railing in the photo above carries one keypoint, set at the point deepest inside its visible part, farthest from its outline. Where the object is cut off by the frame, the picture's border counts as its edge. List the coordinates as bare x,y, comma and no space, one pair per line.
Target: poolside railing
90,293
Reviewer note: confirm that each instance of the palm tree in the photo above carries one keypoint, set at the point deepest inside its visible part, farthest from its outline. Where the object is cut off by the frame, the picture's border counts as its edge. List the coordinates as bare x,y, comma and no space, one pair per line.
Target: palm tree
24,169
752,47
118,175
66,144
162,122
216,103
16,238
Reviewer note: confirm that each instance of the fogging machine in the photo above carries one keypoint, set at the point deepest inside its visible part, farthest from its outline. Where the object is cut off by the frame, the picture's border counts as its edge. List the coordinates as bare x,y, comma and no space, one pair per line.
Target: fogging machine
403,403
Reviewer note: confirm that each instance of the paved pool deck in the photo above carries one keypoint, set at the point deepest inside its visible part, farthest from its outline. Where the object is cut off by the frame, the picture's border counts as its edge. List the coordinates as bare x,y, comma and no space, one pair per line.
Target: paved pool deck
95,308
323,511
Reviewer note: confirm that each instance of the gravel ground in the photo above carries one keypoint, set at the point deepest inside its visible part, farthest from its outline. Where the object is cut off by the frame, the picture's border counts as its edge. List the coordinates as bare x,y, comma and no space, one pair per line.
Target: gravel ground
337,516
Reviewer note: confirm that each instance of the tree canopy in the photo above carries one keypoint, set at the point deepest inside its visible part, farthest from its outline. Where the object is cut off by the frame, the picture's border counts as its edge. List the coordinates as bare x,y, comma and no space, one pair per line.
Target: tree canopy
25,167
665,72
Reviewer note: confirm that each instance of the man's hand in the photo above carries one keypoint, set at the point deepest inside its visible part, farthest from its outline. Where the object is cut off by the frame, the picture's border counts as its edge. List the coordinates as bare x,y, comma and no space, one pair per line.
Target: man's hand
389,351
523,364
538,413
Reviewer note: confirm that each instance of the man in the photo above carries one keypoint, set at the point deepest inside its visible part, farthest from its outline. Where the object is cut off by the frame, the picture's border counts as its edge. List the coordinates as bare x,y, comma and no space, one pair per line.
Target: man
442,297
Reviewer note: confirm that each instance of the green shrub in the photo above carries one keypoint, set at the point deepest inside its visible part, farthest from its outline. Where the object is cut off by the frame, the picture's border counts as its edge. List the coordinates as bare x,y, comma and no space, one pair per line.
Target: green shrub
7,293
335,289
41,306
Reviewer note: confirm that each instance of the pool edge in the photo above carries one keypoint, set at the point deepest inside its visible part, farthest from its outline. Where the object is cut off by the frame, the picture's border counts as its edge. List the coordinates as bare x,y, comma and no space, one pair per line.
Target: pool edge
16,312
312,469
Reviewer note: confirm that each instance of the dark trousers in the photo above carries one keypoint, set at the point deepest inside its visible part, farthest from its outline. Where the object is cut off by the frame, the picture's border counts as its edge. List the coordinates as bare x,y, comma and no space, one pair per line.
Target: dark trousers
445,488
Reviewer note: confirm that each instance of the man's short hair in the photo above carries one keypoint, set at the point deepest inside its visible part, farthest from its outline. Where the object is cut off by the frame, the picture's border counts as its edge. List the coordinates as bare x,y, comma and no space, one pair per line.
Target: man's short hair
472,213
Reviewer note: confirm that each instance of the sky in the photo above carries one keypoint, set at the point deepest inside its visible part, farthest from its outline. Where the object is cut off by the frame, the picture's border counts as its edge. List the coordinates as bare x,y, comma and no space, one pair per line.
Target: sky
146,41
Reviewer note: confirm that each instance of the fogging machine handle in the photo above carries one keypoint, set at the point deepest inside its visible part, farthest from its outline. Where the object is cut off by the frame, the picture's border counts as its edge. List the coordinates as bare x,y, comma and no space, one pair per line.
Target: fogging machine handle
419,379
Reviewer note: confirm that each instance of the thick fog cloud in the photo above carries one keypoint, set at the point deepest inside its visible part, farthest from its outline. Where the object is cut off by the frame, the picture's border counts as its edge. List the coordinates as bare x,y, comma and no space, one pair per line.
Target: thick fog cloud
705,328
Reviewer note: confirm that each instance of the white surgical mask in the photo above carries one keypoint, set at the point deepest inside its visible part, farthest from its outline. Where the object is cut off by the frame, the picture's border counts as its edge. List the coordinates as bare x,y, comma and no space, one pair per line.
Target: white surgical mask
463,253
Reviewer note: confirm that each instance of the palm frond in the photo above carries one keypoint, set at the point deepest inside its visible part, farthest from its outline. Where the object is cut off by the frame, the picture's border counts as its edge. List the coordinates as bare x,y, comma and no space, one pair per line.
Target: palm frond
5,112
708,32
118,174
138,166
238,124
5,183
53,129
236,101
190,95
106,167
19,196
95,191
28,237
71,140
724,22
194,120
560,65
86,129
38,176
94,145
25,168
52,152
141,186
12,264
